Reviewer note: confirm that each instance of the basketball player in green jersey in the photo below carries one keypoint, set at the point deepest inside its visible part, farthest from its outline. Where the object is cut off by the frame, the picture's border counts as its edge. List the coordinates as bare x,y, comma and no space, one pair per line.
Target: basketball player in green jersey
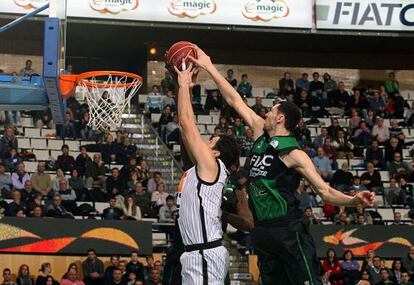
280,235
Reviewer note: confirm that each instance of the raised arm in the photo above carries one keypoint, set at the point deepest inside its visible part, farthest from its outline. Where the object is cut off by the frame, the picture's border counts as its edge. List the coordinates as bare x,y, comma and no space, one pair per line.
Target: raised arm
231,96
301,162
200,153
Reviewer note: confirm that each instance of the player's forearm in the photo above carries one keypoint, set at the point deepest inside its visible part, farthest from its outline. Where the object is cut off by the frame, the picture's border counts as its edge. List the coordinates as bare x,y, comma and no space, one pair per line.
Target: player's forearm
185,114
238,222
337,198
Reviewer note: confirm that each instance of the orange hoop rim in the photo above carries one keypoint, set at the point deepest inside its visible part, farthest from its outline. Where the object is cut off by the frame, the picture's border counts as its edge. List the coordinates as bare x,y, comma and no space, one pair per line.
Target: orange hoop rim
84,76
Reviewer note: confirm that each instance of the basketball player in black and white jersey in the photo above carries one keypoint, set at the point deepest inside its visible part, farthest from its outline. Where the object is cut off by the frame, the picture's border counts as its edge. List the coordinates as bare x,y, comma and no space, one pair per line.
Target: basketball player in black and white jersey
205,260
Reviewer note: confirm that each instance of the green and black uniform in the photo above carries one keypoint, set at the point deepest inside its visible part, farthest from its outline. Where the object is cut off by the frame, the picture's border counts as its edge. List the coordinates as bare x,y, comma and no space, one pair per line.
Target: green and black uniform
281,235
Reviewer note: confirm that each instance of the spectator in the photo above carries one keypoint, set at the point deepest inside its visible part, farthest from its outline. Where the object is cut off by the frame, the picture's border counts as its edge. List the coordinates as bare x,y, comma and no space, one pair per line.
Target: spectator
7,278
59,176
397,220
309,150
365,278
72,278
56,210
372,179
44,274
394,129
392,148
330,151
124,274
375,270
408,261
361,220
130,210
245,87
77,184
133,180
343,179
114,261
115,181
239,128
377,104
144,172
223,125
316,87
36,202
399,168
334,128
305,195
20,177
350,268
126,151
343,146
167,82
150,265
86,131
143,200
286,85
82,160
159,196
117,277
354,120
27,194
93,269
37,212
375,155
168,100
41,181
214,101
340,97
362,135
67,130
65,161
165,118
380,132
167,212
360,210
257,105
230,78
111,151
405,278
95,173
155,278
308,214
357,184
172,130
407,188
358,102
130,167
320,139
135,266
247,143
342,217
153,182
302,83
396,271
392,85
385,278
12,160
329,85
112,212
5,182
332,267
28,70
322,164
23,277
304,103
67,194
302,134
17,204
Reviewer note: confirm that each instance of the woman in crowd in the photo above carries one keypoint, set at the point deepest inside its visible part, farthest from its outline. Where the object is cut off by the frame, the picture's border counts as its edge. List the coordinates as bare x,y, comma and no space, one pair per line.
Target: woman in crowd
130,209
12,160
396,270
332,268
74,266
44,277
23,277
59,176
133,179
350,268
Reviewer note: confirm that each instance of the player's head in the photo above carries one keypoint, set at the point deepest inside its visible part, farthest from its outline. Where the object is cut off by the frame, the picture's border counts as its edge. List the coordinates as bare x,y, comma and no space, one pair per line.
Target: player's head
284,115
226,149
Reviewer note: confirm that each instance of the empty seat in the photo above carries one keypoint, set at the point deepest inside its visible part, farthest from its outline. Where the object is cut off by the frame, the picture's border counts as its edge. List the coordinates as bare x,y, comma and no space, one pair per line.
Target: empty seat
26,121
100,206
39,143
406,132
318,212
251,101
155,117
72,144
24,143
204,119
32,133
210,128
176,148
268,102
202,128
385,176
47,132
379,200
41,154
406,152
55,144
55,153
142,98
387,214
30,166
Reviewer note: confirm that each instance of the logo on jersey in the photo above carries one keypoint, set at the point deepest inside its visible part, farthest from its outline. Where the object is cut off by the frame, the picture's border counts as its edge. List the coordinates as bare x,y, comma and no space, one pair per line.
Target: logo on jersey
192,8
265,10
113,6
31,4
259,163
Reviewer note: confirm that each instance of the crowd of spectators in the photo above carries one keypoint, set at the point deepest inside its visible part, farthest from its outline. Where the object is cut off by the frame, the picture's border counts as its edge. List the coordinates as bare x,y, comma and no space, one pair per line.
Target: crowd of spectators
117,272
372,271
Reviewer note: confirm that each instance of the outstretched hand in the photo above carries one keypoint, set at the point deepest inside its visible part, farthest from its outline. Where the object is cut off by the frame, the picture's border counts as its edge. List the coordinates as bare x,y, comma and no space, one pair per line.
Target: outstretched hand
365,198
186,77
202,61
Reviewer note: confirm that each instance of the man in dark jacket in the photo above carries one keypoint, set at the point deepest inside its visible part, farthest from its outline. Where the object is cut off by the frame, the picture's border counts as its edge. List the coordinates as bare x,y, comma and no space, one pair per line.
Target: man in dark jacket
135,266
93,269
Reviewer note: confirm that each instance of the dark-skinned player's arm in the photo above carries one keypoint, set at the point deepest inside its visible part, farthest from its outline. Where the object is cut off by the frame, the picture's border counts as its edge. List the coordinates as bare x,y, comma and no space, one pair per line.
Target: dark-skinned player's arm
243,218
300,161
200,153
232,97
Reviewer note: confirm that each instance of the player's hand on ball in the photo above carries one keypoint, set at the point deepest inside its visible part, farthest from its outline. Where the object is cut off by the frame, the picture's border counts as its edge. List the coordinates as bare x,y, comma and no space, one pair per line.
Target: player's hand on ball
365,198
185,77
202,61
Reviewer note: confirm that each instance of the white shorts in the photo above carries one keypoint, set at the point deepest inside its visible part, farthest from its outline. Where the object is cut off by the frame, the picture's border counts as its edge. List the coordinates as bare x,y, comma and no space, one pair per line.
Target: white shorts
216,264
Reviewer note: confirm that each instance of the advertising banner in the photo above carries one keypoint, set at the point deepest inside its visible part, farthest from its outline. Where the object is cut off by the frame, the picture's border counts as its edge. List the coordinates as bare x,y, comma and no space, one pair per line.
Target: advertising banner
74,237
387,241
387,15
260,13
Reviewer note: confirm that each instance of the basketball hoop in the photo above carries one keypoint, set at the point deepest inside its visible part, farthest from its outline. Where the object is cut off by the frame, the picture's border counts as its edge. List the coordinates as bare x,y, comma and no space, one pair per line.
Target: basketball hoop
107,94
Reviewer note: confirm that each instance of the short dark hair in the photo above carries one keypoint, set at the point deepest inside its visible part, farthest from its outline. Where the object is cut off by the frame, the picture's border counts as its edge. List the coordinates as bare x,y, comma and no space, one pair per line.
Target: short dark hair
134,251
305,74
169,197
292,114
315,73
308,208
6,270
64,146
157,173
229,151
244,75
91,250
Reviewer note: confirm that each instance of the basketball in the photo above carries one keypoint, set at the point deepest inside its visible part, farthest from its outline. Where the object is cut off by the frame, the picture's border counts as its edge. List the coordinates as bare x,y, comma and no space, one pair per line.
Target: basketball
179,51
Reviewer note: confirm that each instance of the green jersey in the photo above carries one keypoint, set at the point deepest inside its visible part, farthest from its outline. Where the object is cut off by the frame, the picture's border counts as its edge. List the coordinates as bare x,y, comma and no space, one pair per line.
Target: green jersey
272,185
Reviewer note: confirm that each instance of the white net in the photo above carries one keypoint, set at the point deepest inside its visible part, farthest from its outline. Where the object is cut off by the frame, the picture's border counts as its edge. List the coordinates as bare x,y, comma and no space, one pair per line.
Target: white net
108,96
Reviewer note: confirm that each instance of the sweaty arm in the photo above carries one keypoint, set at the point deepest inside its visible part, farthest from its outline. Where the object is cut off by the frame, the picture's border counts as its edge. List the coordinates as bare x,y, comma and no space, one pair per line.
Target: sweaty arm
198,150
300,161
243,218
